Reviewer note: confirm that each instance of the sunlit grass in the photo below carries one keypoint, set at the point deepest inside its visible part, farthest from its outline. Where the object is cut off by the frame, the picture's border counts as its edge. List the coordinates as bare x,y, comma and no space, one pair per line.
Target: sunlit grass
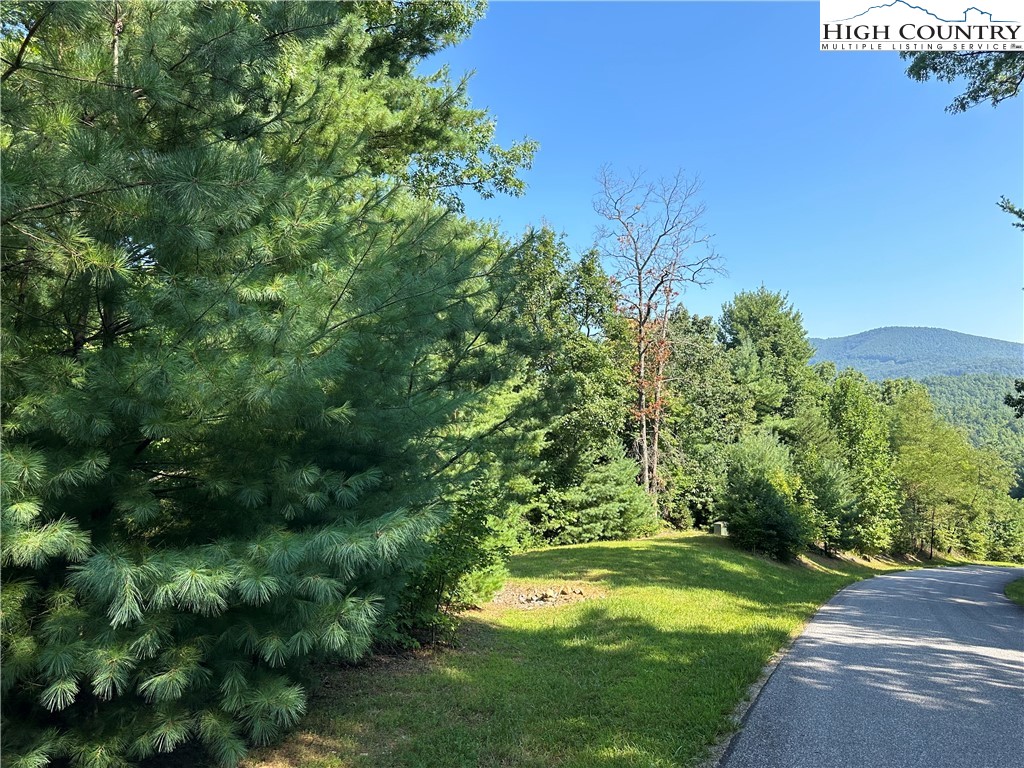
644,673
1015,591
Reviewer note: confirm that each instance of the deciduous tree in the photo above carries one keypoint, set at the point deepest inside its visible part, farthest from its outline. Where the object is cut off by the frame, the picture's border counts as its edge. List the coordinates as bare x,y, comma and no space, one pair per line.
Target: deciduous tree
654,240
706,411
855,414
990,76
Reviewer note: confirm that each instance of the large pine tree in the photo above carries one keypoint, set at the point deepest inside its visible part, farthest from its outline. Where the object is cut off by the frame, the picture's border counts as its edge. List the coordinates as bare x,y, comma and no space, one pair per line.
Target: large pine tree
239,311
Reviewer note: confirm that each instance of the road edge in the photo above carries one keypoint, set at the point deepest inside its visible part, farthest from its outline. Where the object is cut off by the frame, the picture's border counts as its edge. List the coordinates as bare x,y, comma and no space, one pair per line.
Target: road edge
718,752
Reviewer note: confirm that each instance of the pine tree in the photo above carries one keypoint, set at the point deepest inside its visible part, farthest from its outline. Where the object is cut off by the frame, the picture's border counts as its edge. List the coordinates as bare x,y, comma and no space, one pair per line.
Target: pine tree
547,464
239,313
764,500
574,343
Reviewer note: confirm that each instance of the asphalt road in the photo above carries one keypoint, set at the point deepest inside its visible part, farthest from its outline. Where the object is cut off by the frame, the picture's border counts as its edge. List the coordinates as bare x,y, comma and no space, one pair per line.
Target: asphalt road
916,669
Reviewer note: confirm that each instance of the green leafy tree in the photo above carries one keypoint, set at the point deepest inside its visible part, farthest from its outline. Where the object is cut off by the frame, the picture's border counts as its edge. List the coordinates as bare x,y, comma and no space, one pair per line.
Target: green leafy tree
1006,529
706,412
237,333
976,404
955,495
486,490
545,461
990,76
573,337
835,501
933,464
856,416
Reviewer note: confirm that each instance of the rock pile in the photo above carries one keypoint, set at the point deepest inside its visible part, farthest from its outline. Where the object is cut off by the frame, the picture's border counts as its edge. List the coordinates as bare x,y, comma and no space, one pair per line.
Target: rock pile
550,597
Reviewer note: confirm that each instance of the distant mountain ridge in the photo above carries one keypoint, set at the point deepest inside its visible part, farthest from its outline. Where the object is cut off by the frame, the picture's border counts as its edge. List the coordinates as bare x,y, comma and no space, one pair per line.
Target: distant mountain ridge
914,353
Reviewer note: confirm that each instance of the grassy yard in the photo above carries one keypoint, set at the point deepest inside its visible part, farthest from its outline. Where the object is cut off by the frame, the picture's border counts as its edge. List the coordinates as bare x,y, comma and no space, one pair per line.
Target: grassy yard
643,671
1015,591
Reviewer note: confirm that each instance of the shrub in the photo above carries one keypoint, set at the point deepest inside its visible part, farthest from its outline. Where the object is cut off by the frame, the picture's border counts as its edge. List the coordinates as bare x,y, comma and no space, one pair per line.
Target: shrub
764,502
607,504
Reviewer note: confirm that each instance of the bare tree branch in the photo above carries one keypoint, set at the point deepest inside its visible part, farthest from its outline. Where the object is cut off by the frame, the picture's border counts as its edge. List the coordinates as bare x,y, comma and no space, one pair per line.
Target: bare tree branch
653,240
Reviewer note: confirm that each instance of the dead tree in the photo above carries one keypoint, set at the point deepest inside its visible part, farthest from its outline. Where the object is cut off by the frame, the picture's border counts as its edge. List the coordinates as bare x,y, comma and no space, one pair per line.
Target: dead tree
652,238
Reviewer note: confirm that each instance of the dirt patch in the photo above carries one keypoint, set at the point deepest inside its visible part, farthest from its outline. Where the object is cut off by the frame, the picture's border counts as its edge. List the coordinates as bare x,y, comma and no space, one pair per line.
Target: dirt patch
530,596
300,748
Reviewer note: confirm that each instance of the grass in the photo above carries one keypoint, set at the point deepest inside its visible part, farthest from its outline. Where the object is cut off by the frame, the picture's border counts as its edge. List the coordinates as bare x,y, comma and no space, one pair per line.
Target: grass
1015,591
644,673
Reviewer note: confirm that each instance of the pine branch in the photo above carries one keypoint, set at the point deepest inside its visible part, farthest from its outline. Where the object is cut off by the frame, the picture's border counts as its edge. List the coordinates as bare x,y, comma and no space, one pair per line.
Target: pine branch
74,78
16,64
77,196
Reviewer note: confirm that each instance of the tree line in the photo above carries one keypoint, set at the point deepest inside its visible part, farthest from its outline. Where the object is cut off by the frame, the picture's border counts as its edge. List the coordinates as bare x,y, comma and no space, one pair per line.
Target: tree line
269,396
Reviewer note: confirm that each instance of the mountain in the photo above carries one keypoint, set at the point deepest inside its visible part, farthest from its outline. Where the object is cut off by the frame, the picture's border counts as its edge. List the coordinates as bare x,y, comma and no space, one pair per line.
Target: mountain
966,376
914,353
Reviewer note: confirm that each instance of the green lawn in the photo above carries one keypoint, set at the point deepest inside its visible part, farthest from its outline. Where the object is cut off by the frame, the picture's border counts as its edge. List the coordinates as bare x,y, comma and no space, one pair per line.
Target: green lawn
1015,591
643,673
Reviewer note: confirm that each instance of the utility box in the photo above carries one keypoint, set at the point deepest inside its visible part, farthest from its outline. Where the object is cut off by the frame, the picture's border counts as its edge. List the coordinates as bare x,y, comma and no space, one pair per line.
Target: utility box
719,529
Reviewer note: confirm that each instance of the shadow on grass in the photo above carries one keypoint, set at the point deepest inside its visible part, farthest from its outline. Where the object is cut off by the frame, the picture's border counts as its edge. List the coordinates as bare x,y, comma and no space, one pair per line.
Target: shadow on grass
588,686
605,690
645,678
694,562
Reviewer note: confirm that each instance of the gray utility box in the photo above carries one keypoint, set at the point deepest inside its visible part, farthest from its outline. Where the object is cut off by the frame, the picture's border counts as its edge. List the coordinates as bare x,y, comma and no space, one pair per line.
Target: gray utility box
719,529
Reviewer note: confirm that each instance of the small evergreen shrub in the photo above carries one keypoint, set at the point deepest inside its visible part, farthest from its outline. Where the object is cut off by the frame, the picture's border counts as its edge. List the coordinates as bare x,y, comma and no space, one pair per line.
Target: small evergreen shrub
607,504
764,502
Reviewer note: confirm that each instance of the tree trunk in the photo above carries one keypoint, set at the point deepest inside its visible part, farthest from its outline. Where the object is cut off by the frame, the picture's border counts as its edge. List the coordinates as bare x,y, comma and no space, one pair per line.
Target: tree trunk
931,544
115,45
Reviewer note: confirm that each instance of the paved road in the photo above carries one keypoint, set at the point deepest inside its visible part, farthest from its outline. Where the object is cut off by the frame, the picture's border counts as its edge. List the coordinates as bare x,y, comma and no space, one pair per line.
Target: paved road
921,669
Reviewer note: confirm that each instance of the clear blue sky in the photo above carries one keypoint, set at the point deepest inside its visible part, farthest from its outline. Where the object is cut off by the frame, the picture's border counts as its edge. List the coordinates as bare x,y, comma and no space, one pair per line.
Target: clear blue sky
831,176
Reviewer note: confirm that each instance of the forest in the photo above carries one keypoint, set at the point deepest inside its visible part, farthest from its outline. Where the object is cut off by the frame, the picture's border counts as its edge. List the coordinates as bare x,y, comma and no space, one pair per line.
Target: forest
269,396
977,404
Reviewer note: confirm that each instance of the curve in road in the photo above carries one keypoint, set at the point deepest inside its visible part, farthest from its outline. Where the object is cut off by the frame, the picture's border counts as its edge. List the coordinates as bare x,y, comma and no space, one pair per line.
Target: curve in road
919,669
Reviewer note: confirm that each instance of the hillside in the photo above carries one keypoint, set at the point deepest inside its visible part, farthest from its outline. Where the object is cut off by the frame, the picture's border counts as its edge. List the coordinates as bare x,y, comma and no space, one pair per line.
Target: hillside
967,377
891,353
975,403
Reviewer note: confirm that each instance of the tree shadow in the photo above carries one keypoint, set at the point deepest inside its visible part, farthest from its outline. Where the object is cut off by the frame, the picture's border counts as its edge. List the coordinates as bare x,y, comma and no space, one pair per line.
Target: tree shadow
910,671
607,684
605,690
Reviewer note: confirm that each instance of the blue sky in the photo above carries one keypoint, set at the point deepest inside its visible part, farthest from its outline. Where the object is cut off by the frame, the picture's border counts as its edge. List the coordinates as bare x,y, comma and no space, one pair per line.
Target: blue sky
831,176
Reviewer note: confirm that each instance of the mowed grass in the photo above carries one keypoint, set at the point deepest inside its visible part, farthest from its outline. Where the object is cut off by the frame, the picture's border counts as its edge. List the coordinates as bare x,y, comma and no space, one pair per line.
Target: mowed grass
643,673
1015,591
